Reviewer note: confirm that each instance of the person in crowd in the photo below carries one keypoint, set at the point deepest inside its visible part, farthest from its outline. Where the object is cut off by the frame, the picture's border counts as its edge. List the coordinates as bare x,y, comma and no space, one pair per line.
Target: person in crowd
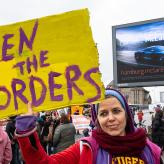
158,128
69,114
40,124
132,109
114,140
10,129
86,132
5,147
64,134
157,108
133,112
140,116
44,132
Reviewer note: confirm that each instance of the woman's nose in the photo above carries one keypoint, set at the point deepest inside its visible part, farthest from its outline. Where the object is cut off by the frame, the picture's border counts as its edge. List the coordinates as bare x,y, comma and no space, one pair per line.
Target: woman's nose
111,117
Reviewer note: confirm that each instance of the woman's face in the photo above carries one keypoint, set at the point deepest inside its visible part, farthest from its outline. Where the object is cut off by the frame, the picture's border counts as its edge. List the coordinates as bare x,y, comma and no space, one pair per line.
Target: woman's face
112,117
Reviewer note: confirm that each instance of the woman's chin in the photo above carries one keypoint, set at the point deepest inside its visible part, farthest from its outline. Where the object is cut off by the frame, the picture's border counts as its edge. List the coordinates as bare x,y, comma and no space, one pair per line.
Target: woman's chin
115,133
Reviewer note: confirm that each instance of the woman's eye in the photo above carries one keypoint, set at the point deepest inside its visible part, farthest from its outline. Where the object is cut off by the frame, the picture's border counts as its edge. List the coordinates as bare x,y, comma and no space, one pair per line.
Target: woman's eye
116,111
103,114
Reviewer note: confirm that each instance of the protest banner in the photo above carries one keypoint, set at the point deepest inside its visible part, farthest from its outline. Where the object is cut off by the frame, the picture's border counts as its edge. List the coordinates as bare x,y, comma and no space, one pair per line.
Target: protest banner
51,61
80,122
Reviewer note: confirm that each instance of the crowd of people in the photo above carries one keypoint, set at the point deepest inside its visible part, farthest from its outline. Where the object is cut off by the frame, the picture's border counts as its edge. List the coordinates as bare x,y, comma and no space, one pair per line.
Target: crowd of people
55,134
113,137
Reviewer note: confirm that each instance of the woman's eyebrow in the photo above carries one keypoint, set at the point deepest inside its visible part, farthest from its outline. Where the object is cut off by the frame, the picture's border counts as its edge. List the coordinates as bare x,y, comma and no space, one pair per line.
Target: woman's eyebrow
102,110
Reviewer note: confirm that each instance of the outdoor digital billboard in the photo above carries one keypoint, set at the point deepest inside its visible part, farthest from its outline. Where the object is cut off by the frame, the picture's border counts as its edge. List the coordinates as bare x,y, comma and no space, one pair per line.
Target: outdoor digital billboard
138,53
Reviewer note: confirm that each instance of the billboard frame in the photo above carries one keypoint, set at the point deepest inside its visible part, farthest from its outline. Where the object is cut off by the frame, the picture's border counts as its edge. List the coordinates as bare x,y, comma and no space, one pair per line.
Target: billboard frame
115,63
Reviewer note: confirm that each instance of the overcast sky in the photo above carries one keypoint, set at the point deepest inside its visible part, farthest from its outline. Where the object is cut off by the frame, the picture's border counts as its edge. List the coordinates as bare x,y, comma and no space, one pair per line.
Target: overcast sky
103,15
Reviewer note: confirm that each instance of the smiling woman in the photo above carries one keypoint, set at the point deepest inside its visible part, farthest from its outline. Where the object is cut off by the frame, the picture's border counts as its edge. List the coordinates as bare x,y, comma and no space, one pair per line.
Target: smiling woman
114,140
112,117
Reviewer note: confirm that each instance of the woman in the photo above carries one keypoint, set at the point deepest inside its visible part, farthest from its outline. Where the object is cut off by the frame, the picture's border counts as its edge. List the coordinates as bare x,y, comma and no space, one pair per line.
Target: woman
115,140
5,147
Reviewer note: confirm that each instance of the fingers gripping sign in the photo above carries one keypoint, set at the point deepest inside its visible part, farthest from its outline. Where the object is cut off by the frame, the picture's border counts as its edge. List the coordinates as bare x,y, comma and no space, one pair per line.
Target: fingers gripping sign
29,108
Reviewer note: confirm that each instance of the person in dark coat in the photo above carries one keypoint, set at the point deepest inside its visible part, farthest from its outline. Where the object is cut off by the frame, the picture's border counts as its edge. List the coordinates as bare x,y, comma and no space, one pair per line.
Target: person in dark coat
158,129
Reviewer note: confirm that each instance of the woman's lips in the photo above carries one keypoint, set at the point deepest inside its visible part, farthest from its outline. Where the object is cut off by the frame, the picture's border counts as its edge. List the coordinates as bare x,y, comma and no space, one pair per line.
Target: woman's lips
112,126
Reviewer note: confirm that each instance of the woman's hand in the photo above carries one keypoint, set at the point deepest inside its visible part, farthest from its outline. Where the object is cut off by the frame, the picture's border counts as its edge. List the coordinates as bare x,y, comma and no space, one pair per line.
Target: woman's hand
29,107
30,110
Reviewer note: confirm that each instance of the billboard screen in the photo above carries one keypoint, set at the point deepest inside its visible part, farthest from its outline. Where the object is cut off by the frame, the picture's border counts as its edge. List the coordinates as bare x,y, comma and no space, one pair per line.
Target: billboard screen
138,53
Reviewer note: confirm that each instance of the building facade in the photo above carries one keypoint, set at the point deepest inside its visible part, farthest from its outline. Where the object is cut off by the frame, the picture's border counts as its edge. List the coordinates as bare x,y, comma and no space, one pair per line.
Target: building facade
135,96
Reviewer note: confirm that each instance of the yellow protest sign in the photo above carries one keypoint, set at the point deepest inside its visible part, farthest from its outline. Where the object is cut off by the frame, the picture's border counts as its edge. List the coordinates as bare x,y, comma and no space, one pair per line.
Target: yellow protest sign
51,61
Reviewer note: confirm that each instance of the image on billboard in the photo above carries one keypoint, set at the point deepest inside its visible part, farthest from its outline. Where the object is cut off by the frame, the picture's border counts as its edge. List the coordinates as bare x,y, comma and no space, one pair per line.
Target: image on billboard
138,53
